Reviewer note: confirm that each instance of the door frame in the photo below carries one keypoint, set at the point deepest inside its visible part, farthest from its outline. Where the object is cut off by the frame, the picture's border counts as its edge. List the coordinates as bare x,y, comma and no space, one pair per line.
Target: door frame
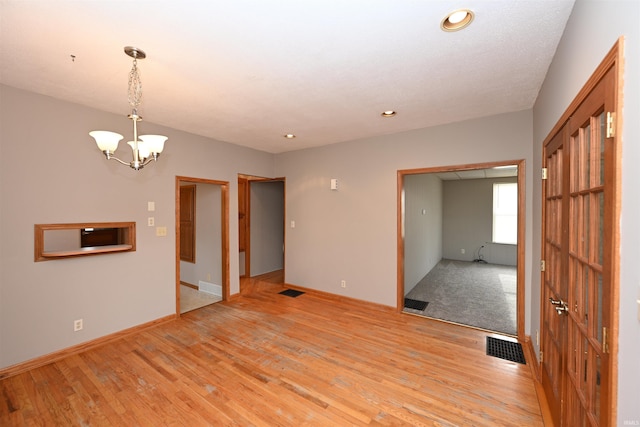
247,252
224,232
614,58
520,275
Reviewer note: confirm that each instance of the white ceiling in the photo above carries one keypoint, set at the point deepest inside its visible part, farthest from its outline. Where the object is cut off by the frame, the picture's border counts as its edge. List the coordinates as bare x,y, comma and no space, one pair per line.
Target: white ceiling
249,71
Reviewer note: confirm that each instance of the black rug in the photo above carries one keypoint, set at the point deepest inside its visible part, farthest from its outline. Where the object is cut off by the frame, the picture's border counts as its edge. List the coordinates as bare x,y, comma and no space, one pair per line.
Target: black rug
291,293
507,350
415,304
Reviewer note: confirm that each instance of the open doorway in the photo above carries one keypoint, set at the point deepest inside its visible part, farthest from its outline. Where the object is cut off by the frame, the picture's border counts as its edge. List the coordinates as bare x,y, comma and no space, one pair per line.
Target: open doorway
456,262
261,228
202,242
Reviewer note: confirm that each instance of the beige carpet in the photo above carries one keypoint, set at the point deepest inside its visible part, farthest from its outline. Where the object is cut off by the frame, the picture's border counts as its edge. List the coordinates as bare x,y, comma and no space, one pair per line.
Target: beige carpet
190,299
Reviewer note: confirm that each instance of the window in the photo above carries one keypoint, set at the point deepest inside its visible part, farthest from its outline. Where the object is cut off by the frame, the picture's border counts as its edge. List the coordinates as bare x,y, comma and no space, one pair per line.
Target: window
505,213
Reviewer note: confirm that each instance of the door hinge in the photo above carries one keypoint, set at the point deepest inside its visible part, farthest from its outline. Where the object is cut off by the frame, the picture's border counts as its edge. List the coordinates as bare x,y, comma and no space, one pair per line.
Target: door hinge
605,340
545,173
543,265
611,124
541,356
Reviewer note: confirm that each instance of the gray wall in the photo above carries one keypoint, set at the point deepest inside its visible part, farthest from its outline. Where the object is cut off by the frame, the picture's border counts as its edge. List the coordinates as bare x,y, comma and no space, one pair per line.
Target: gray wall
593,28
267,226
423,227
350,234
52,172
468,222
208,265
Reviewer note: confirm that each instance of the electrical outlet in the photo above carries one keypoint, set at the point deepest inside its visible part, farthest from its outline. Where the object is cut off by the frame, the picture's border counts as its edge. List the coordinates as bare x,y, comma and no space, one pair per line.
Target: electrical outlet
343,283
77,325
151,221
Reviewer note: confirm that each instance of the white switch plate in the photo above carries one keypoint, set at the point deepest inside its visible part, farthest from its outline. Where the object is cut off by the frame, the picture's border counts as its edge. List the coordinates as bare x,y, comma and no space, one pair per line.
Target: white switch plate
161,231
293,224
334,184
151,206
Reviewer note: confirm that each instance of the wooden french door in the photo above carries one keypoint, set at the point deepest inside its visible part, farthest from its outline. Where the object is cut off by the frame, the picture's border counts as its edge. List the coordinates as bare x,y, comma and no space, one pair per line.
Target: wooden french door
579,252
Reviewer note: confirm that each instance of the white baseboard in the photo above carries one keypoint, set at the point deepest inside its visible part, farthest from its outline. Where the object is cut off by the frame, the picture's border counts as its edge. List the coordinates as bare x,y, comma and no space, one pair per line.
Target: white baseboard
210,288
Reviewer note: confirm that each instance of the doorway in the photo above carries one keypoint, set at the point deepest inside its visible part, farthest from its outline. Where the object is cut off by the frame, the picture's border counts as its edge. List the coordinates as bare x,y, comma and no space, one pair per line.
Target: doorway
580,249
202,242
450,245
261,230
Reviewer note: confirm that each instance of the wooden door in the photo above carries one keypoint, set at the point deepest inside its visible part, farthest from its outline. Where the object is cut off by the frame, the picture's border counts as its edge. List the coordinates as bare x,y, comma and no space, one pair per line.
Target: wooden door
554,287
580,249
188,223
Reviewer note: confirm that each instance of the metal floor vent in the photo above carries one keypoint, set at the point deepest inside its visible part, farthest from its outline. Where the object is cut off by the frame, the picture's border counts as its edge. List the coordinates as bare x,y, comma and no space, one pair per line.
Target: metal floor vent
415,304
507,350
291,293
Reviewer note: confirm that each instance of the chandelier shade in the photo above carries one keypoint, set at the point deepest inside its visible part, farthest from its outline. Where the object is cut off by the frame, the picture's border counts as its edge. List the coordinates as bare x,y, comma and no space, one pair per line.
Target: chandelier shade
106,140
145,148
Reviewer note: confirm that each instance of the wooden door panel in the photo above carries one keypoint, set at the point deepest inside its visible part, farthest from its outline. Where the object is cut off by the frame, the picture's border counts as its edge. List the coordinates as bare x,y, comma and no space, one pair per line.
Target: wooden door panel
579,249
554,287
188,223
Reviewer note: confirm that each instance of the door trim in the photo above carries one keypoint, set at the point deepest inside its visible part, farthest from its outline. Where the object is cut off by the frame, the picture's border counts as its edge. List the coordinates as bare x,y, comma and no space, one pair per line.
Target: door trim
521,230
614,58
247,252
224,233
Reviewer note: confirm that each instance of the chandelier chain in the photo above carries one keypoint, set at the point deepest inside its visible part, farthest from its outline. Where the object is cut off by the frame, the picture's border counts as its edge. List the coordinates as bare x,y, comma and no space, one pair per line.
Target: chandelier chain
135,86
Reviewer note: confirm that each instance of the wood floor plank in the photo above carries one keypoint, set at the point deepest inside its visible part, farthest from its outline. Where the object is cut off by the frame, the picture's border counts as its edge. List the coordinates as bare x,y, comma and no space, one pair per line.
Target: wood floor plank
265,359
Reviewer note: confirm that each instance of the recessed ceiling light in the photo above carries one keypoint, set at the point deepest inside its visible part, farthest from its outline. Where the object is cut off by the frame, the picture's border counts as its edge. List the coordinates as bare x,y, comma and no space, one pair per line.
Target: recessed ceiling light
457,20
289,136
388,113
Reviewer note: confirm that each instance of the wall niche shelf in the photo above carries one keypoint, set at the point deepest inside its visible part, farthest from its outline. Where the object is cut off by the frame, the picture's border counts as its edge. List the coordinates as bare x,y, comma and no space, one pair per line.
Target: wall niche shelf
59,241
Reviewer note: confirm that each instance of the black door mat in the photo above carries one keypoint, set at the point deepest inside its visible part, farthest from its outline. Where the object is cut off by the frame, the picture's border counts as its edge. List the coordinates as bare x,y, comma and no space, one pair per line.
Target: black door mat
415,304
507,350
291,293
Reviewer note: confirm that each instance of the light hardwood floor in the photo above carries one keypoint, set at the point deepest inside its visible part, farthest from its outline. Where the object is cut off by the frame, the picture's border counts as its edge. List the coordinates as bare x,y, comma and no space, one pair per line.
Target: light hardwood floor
265,359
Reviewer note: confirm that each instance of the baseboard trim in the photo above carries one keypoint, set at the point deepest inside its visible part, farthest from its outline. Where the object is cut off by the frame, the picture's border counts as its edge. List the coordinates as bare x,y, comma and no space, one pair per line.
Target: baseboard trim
532,360
19,368
336,297
534,365
189,285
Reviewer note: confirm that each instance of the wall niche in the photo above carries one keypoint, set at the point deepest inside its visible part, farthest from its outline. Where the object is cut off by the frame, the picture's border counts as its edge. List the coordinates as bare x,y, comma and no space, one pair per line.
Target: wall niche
59,241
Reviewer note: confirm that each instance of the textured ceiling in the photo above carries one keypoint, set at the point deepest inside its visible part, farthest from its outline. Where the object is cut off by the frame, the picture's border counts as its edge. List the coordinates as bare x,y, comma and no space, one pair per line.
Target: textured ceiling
249,71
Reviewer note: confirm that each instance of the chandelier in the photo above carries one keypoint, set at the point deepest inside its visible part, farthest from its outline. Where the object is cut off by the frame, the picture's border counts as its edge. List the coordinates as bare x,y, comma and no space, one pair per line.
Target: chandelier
146,148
